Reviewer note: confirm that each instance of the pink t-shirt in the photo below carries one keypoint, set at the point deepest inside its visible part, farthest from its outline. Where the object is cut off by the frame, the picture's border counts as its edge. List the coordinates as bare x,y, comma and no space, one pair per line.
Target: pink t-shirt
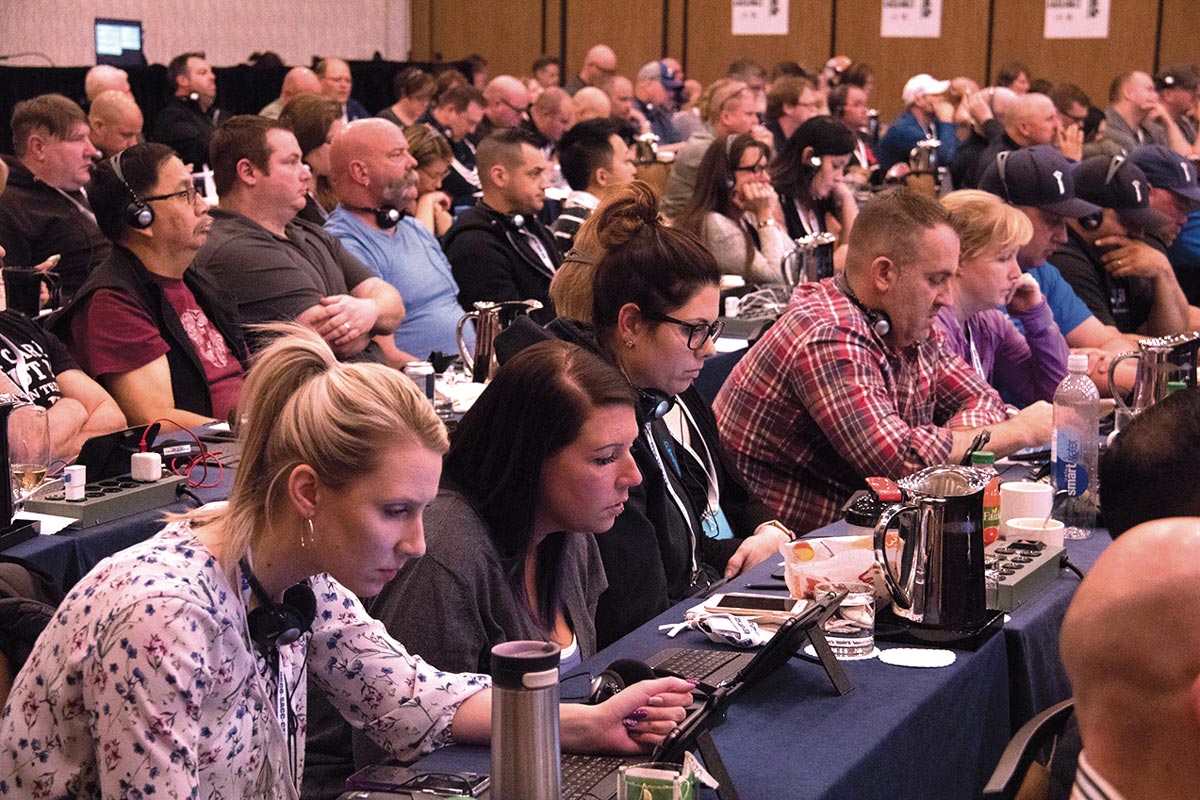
112,334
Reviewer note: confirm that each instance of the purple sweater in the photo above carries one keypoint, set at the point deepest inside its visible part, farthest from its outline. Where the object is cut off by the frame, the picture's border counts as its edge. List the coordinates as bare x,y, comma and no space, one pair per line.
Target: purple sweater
1023,368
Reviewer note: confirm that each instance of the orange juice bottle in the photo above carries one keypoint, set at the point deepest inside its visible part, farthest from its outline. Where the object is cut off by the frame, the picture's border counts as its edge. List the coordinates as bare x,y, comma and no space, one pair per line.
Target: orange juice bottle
986,460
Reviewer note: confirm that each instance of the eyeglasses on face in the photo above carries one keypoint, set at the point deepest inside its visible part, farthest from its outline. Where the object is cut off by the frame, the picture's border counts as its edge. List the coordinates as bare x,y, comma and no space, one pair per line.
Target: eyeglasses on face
698,332
757,169
190,194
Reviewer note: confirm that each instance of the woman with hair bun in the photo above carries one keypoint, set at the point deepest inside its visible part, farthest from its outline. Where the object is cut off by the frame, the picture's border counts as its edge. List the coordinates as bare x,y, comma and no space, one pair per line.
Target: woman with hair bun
177,667
654,302
315,120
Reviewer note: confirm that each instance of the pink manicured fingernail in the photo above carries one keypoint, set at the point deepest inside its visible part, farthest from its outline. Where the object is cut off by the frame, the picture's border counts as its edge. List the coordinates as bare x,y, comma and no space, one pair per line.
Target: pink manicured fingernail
637,715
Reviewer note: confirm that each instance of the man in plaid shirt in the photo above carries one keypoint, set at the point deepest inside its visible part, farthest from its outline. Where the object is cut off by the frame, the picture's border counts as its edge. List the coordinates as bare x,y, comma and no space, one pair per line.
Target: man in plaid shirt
851,382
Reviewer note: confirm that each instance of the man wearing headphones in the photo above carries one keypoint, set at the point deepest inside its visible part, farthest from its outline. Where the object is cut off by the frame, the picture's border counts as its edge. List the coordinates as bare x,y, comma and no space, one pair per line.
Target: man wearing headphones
850,383
497,249
1124,281
374,174
160,337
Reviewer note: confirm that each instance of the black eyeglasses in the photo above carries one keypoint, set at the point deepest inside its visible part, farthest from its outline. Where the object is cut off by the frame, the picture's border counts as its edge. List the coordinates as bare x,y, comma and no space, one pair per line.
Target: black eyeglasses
757,169
189,193
698,332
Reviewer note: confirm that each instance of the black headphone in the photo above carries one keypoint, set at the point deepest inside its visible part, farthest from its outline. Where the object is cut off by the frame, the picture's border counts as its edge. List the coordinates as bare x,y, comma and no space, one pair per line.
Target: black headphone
654,404
1094,220
618,676
1001,159
274,625
877,319
137,214
386,218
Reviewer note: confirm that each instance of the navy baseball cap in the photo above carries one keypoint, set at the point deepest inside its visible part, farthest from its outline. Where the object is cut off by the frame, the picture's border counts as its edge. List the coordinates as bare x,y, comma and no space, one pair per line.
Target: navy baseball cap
1166,169
1037,176
1114,182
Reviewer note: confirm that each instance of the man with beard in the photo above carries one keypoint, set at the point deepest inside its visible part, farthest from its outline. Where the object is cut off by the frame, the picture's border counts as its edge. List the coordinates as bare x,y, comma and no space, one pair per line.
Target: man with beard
375,176
158,335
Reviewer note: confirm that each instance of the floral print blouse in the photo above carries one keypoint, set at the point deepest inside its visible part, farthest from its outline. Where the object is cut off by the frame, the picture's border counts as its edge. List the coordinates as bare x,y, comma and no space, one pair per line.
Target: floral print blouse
146,685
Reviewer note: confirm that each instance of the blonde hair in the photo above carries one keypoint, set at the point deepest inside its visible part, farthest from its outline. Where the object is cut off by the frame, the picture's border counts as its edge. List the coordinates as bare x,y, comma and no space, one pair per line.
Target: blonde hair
299,405
984,222
719,96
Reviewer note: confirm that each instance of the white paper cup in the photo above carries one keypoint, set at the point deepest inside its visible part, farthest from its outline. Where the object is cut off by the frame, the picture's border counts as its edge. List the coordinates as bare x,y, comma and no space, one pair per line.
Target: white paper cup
1039,529
1024,499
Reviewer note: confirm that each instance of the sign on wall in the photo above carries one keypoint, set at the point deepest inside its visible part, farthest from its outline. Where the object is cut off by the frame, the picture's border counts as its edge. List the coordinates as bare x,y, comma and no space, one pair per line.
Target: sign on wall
1076,19
911,19
760,17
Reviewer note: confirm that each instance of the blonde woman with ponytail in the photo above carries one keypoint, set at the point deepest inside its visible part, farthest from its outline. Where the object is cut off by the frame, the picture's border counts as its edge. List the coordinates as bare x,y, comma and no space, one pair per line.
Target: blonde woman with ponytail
178,667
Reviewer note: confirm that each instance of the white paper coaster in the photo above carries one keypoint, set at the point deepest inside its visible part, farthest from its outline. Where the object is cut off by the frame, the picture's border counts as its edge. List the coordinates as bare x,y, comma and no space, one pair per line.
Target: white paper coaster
917,657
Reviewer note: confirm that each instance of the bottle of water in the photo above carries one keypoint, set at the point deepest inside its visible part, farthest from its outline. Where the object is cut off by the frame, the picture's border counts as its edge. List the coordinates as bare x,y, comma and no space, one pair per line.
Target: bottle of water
1074,448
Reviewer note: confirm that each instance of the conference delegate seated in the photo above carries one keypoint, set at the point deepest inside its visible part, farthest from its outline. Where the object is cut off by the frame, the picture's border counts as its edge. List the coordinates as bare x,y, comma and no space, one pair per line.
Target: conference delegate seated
735,212
539,464
315,120
655,301
185,682
162,338
989,282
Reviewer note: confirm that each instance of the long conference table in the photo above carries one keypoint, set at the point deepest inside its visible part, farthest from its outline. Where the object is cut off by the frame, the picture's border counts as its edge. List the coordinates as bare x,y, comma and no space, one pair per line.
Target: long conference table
902,732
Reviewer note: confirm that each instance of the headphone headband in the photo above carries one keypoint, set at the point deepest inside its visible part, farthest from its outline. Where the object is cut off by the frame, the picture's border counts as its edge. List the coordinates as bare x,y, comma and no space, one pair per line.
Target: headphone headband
137,214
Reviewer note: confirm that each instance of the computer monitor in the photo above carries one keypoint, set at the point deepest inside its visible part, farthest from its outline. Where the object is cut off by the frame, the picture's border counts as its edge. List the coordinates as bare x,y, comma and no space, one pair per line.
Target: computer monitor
119,42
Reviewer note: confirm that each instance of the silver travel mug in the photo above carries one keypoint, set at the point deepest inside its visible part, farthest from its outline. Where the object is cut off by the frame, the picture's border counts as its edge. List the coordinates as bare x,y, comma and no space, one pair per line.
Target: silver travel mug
525,751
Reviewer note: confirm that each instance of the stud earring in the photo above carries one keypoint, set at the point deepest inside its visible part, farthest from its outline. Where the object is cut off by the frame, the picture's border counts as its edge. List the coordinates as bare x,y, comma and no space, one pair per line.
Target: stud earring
629,343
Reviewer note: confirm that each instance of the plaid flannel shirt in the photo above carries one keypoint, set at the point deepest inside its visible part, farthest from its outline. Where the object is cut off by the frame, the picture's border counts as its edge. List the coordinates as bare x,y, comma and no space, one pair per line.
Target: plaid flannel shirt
821,402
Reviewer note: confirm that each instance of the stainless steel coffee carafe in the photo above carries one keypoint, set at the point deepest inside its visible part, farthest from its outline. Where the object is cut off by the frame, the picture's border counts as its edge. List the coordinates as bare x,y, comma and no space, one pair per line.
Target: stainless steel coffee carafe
1160,361
807,261
490,319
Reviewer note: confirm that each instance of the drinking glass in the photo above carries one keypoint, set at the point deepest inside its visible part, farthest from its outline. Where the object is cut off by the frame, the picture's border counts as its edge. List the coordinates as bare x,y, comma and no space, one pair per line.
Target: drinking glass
850,630
28,449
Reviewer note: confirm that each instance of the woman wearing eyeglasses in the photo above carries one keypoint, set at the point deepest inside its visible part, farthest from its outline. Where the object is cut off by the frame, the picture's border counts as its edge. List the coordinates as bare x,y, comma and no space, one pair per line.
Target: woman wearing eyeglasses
654,305
735,212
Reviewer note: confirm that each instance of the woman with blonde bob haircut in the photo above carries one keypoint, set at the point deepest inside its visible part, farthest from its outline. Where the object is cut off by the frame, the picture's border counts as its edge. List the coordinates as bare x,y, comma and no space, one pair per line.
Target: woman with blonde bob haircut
1024,367
180,664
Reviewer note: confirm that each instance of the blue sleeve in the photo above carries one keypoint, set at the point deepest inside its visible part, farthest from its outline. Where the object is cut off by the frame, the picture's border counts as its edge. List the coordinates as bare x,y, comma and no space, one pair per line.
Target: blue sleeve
948,136
1069,311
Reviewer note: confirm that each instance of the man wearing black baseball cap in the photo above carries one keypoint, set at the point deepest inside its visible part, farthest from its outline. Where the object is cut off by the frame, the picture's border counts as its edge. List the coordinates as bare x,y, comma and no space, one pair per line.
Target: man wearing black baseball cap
1124,281
1178,91
1175,194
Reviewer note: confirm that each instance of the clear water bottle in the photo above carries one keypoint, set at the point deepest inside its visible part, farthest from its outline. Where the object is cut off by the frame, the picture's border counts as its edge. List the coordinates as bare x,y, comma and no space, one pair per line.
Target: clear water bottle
1073,450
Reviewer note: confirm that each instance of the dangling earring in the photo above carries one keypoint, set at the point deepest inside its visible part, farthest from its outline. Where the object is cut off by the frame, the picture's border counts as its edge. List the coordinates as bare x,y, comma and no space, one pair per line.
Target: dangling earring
306,541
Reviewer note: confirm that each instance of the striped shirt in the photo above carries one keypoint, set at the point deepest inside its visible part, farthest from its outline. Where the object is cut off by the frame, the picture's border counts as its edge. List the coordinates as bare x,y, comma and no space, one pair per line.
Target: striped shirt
1089,785
578,207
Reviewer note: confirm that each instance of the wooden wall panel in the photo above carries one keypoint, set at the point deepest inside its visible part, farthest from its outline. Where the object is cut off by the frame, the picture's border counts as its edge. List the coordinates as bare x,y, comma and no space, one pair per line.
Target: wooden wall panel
1089,63
632,28
712,47
1180,43
508,34
961,50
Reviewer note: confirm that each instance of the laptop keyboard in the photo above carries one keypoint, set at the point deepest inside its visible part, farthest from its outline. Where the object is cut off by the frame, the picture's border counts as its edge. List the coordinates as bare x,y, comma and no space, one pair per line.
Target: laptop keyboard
580,774
697,664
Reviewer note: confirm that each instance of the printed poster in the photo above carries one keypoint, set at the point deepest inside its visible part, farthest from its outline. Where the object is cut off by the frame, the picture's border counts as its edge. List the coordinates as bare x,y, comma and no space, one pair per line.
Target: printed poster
911,19
760,17
1077,19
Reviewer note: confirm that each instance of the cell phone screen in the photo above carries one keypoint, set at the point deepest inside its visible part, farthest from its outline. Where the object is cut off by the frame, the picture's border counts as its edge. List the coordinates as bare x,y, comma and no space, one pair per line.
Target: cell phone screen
757,602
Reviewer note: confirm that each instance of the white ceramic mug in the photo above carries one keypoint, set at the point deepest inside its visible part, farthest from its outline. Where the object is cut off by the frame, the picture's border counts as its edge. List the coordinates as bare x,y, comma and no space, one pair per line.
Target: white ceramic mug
1024,499
1039,529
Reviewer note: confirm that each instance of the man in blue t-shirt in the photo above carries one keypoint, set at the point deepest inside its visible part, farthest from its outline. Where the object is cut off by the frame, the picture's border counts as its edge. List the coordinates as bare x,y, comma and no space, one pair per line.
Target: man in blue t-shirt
374,176
1039,181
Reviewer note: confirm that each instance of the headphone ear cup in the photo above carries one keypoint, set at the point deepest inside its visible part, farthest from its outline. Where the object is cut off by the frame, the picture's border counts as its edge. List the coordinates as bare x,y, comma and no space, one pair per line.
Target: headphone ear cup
280,624
387,218
880,322
1092,221
730,183
138,215
815,162
654,404
617,676
300,601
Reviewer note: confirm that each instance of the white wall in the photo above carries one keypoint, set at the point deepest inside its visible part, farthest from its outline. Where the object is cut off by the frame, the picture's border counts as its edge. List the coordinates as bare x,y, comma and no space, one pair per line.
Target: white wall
227,30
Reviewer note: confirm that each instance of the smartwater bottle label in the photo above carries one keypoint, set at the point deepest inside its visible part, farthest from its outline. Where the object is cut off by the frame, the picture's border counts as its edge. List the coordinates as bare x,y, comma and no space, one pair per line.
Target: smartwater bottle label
1070,476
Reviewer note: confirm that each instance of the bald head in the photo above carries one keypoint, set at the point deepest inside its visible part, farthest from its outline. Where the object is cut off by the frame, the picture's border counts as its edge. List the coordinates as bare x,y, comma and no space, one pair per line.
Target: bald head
103,78
1130,643
298,81
1031,119
507,101
116,122
599,65
591,103
370,165
552,113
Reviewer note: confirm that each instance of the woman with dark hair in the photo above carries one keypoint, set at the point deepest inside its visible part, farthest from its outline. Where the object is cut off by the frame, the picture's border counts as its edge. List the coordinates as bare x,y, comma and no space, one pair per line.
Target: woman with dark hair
413,89
1014,75
654,300
809,175
735,212
315,120
434,157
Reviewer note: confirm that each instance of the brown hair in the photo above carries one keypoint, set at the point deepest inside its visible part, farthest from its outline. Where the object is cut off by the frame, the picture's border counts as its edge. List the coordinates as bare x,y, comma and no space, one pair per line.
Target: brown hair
893,224
243,136
427,145
786,92
52,113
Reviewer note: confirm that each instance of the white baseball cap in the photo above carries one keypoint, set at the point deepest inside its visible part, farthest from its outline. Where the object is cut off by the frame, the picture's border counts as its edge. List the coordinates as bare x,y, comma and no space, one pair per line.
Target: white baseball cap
923,84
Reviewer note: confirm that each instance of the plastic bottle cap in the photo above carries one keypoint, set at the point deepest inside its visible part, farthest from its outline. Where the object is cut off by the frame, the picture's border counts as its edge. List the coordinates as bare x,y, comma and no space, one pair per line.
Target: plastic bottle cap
1176,386
1077,362
983,457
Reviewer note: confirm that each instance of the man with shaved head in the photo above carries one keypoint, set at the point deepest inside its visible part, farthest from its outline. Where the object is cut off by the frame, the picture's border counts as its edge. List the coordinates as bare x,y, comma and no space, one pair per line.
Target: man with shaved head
1029,119
336,83
374,175
298,81
591,103
116,122
498,249
103,78
549,117
599,66
507,104
1131,647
